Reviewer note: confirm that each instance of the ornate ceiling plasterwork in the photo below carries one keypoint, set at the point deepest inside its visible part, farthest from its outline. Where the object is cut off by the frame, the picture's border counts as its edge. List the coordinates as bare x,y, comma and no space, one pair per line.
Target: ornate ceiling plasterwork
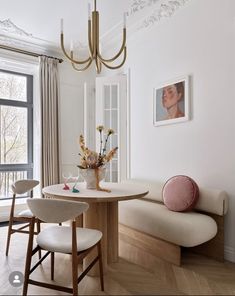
138,5
7,26
13,35
159,9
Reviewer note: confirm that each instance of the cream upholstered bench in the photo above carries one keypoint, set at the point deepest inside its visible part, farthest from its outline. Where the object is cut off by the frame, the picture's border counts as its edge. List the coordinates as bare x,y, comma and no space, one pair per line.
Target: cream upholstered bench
146,226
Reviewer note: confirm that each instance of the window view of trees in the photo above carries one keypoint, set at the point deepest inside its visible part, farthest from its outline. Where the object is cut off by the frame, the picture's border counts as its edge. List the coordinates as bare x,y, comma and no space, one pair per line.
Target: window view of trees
13,139
13,128
13,87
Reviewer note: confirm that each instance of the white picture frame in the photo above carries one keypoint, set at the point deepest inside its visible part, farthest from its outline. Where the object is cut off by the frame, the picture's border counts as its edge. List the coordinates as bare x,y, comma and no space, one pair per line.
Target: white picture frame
171,102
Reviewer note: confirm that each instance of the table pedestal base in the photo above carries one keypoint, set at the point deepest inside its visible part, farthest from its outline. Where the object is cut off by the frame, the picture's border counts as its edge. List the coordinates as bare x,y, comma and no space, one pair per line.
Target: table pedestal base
104,217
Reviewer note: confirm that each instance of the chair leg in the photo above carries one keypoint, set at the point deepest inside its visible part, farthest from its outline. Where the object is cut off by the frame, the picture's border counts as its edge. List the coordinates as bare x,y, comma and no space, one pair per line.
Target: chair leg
52,265
101,266
9,235
75,275
74,259
38,231
28,257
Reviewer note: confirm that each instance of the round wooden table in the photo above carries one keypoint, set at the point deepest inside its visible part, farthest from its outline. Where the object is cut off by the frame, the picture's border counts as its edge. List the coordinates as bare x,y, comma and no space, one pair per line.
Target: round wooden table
102,213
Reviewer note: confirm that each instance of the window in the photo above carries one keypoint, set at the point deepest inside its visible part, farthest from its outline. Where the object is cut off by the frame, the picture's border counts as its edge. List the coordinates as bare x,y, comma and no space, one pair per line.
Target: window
16,127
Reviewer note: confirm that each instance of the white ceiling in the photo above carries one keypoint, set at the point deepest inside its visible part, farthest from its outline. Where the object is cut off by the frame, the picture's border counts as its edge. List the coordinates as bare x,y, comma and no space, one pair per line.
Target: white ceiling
41,18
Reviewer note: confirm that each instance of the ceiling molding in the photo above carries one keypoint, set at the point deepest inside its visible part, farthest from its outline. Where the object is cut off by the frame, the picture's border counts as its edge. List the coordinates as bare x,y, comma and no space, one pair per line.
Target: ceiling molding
138,5
7,26
14,36
164,9
142,15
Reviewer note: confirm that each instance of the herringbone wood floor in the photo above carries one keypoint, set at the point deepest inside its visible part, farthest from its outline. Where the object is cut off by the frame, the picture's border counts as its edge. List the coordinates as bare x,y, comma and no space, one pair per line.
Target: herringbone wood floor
197,275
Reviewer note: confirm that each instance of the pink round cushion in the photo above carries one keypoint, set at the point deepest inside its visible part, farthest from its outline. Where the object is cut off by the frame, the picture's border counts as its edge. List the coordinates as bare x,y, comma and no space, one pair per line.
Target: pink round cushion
180,194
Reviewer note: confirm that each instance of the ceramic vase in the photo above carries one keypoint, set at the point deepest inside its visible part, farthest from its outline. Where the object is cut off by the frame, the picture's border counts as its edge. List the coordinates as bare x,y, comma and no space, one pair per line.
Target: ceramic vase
90,176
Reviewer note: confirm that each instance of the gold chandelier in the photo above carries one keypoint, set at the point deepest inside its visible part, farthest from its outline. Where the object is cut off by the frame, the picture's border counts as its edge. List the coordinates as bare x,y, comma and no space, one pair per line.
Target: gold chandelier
94,47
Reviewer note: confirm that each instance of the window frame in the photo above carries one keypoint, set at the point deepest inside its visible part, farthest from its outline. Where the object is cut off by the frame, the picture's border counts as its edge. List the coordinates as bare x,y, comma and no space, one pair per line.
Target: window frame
28,104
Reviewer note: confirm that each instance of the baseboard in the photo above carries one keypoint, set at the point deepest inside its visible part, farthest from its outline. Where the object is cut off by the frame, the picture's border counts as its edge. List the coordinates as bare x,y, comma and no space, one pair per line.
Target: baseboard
229,253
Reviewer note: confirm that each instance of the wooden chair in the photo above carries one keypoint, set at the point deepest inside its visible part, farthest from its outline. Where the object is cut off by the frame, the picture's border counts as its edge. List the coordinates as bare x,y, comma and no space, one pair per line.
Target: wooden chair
77,242
21,187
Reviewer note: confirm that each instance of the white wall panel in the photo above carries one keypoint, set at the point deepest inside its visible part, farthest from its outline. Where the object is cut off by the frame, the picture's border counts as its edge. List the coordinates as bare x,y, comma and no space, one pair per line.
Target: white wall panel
198,40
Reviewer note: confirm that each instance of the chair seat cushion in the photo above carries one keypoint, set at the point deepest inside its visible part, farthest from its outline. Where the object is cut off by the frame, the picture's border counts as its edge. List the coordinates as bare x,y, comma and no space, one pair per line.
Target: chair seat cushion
187,229
59,239
25,213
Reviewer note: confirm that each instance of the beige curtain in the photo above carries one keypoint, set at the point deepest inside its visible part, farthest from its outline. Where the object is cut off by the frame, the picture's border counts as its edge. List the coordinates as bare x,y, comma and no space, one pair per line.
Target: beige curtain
49,90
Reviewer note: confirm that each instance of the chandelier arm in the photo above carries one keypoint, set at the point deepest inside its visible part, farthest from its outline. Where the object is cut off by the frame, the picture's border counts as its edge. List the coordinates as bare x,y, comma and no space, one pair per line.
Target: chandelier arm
116,67
91,47
66,54
98,64
84,68
120,51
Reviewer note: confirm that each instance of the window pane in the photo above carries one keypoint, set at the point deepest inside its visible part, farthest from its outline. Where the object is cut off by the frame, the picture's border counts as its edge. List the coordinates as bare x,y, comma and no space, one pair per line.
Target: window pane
114,96
115,120
106,97
13,138
107,175
107,119
13,87
114,171
114,141
6,180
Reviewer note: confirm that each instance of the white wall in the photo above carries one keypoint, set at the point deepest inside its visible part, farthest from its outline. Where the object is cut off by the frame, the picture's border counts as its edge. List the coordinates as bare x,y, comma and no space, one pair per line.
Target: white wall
198,40
71,114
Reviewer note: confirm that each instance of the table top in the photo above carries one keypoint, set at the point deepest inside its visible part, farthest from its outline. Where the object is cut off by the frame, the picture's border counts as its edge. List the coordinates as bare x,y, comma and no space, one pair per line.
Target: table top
119,192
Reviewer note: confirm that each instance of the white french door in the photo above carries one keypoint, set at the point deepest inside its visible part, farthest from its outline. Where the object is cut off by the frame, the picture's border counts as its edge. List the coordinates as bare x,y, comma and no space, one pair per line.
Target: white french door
111,112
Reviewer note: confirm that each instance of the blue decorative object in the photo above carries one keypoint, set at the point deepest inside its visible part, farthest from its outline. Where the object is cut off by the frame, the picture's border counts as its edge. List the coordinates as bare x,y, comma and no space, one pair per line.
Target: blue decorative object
75,190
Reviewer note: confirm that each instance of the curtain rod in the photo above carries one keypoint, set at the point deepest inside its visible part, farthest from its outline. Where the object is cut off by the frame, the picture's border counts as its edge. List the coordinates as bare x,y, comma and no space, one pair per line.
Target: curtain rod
30,53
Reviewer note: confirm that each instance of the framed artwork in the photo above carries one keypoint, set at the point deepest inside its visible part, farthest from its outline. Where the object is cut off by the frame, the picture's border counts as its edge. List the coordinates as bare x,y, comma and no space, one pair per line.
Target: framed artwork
171,102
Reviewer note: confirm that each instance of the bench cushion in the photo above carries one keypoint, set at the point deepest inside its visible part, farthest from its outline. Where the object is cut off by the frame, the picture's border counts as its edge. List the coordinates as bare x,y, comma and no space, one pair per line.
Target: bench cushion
187,229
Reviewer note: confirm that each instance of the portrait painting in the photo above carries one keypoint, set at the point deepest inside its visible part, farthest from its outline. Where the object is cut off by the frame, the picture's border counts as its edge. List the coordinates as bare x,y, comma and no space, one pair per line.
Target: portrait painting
171,102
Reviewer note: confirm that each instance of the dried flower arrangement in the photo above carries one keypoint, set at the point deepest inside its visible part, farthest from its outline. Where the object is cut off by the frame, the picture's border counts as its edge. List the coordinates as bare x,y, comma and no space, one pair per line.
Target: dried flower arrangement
94,160
91,159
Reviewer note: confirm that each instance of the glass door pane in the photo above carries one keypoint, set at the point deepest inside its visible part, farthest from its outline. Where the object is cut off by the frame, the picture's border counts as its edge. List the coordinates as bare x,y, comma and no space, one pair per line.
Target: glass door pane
111,112
110,93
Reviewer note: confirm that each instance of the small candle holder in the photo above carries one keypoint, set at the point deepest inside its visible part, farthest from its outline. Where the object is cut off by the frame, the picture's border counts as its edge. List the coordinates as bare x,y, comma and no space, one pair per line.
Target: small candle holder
75,190
66,180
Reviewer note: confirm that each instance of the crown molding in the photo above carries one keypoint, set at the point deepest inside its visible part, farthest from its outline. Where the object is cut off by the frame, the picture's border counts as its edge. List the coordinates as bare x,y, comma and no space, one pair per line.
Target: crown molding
14,36
138,5
162,9
7,26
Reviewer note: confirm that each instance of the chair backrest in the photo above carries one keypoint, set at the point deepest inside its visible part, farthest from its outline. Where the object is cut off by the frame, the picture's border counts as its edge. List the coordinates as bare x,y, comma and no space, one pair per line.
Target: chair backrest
55,210
23,186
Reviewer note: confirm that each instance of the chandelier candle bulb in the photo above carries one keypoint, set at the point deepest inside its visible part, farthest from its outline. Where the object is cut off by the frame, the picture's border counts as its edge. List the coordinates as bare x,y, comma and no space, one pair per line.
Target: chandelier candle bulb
89,11
62,25
71,45
124,20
